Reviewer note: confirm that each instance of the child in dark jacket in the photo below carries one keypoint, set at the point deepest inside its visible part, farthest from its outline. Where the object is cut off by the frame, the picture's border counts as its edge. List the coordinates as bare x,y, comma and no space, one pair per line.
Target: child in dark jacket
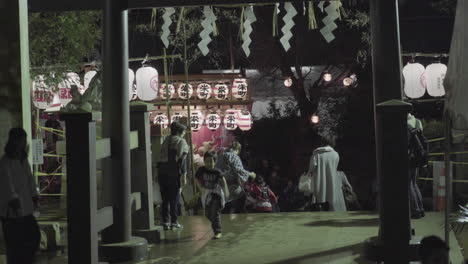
261,196
215,191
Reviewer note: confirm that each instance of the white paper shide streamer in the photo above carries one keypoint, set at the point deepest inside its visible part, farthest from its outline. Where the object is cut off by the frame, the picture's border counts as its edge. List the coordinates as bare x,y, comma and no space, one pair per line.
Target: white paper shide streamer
165,27
207,24
249,20
333,13
288,25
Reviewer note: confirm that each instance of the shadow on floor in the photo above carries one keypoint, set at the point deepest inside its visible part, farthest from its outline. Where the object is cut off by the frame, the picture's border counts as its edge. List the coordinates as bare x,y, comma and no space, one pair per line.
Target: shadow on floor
334,254
346,223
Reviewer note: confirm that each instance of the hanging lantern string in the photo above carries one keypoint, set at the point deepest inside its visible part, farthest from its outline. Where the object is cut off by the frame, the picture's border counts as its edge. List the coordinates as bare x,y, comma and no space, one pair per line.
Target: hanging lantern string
275,21
179,21
312,19
154,14
242,18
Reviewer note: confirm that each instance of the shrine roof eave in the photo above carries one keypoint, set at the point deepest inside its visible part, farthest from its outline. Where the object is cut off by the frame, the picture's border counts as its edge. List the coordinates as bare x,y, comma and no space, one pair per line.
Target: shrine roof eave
69,5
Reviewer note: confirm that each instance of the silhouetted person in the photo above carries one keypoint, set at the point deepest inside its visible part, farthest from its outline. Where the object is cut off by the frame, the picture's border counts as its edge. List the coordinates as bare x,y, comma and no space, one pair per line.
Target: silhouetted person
18,200
433,250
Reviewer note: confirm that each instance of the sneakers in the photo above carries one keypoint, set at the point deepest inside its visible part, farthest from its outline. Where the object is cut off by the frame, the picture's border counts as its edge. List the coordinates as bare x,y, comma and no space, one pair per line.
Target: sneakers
166,226
218,236
176,226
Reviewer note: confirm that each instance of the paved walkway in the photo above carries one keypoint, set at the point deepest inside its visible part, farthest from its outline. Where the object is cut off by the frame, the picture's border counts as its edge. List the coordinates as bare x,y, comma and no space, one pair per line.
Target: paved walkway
285,238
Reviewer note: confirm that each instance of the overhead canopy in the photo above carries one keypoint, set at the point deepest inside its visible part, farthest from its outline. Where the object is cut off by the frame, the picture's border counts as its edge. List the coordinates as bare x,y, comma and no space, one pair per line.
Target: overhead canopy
456,80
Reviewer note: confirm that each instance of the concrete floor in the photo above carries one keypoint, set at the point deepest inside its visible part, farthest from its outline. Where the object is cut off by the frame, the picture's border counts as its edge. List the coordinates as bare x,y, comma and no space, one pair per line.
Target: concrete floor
285,238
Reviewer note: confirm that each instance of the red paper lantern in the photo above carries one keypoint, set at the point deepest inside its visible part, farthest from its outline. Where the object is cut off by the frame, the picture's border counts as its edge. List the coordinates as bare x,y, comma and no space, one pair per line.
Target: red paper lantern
176,117
244,121
185,91
230,119
163,91
239,88
161,119
196,120
42,95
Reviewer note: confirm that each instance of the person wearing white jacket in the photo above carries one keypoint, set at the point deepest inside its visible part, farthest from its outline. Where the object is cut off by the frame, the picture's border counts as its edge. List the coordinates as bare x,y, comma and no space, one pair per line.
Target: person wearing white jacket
18,200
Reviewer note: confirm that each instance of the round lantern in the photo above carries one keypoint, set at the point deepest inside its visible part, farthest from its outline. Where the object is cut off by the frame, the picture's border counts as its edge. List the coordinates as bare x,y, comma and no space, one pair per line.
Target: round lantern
185,91
204,91
161,119
131,80
64,88
55,105
327,77
244,121
288,82
315,119
196,120
176,117
213,121
163,91
434,77
230,120
239,88
414,87
221,91
42,95
87,78
147,83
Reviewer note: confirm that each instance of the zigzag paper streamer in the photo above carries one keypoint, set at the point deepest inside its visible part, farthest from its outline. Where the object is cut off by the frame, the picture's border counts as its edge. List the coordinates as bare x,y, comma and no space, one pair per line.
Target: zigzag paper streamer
333,14
166,25
249,20
207,24
288,25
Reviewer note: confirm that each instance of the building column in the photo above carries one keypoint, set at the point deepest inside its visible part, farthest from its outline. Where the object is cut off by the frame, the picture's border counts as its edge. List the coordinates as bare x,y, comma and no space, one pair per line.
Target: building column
15,84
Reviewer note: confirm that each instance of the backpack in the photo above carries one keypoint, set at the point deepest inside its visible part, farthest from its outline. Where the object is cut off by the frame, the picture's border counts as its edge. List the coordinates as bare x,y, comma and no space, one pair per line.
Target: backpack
417,148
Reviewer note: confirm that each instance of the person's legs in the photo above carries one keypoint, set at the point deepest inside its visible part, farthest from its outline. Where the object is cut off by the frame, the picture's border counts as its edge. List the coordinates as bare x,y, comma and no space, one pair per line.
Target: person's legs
22,237
165,204
215,213
174,192
239,205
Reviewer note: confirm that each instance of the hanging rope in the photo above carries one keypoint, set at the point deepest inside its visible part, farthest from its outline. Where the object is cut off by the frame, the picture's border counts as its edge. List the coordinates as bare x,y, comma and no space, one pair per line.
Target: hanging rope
312,19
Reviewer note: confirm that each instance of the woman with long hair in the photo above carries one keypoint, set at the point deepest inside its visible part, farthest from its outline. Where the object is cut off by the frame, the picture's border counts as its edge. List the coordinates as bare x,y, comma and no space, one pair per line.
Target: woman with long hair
18,200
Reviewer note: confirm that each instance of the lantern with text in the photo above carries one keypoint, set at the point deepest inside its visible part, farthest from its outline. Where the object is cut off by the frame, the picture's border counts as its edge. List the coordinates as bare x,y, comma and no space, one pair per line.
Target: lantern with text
163,91
64,88
213,121
239,88
147,81
176,117
230,120
161,119
42,95
204,91
434,79
196,120
185,91
221,91
244,121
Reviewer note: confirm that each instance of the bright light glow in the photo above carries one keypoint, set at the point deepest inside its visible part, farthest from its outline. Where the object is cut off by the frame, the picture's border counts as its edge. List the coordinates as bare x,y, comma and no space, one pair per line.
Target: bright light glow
327,77
315,119
288,82
347,81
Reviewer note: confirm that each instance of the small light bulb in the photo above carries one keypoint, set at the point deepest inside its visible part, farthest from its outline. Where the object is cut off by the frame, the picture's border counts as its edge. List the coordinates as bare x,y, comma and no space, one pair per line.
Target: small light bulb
315,119
327,77
347,81
288,82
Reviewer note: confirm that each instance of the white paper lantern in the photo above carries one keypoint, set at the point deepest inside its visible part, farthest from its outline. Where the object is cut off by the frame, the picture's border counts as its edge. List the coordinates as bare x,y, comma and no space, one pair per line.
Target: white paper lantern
213,121
131,87
414,87
176,117
239,88
161,119
230,120
221,91
42,95
315,119
204,91
163,91
434,78
147,83
196,120
244,121
88,77
64,89
55,105
185,91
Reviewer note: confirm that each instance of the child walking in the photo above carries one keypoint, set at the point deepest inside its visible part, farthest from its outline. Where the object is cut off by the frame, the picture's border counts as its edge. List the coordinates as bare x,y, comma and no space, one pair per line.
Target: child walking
214,189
